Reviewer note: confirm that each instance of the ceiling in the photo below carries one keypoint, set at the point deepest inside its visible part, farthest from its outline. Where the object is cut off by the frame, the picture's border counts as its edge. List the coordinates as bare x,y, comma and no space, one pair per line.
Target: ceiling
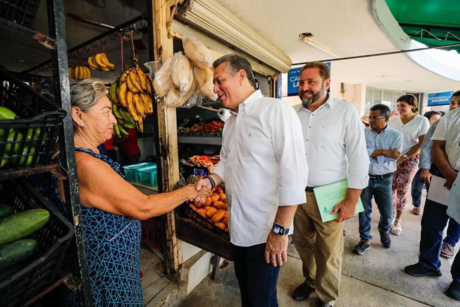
342,28
345,28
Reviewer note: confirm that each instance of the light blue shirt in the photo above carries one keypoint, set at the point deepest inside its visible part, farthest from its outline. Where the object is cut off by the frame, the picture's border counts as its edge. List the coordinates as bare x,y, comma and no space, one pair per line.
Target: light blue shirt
388,138
425,152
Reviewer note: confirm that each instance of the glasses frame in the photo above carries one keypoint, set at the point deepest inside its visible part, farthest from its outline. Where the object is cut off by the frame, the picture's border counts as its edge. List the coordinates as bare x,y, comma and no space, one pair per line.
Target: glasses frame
375,118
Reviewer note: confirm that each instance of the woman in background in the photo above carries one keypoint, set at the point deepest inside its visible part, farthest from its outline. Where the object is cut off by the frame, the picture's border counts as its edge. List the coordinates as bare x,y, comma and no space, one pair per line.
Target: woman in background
414,128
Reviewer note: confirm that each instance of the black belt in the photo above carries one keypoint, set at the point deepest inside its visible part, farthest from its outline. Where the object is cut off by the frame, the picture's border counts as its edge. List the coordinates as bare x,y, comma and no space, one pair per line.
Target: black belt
309,189
380,176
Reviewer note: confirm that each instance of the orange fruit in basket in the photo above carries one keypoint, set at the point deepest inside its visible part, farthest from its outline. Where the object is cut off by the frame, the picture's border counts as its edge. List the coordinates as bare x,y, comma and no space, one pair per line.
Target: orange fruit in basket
201,212
210,212
219,204
225,220
214,197
221,225
193,207
207,202
222,196
218,216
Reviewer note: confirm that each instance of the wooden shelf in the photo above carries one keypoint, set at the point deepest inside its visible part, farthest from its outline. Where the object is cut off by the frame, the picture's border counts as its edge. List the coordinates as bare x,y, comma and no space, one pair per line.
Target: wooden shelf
203,140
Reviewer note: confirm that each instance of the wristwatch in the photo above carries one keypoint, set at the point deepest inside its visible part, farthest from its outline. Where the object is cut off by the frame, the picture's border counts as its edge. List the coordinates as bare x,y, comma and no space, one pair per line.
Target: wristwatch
405,157
280,230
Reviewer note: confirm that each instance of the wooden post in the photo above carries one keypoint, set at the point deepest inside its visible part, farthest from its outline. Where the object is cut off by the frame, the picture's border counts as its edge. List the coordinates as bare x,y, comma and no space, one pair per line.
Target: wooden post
167,126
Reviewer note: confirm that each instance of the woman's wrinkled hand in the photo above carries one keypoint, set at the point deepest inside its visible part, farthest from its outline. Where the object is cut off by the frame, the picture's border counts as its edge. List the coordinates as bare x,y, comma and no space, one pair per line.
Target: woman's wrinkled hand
203,193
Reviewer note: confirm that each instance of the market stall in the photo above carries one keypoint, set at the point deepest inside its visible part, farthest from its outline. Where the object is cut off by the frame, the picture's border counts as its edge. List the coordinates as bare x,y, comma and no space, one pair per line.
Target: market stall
182,119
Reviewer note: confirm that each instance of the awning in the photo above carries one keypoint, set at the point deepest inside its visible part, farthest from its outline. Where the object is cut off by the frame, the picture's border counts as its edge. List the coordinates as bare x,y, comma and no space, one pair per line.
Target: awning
431,22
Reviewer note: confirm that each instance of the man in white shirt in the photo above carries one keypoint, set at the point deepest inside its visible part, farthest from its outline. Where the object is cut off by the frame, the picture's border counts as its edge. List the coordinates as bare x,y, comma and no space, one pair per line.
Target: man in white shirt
335,148
263,165
446,155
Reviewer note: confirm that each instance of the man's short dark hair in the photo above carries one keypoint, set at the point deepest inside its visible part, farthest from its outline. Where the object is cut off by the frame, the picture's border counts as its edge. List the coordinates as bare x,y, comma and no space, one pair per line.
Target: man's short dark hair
457,93
236,63
430,114
384,110
324,70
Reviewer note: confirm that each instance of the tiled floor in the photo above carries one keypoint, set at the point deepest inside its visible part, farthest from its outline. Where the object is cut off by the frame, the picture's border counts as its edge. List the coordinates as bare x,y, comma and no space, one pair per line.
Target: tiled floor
156,286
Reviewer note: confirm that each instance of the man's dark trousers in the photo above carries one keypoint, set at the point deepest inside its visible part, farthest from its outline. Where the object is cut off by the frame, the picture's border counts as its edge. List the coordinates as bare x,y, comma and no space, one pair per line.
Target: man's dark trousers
256,278
434,220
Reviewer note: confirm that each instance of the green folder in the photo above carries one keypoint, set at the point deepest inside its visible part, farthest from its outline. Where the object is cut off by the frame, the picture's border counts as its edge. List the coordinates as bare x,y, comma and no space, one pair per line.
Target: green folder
330,195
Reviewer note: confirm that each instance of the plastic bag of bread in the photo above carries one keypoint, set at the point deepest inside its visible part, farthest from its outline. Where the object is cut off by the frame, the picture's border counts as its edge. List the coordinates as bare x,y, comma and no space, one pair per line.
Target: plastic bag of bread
161,75
175,99
196,51
203,78
182,73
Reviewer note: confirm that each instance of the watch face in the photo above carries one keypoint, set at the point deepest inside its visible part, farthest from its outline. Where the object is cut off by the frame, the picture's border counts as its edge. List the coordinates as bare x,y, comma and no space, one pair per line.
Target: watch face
276,229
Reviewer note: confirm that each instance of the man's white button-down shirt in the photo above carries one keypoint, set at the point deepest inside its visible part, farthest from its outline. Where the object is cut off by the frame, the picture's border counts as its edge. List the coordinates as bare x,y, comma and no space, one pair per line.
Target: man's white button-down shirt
263,166
335,146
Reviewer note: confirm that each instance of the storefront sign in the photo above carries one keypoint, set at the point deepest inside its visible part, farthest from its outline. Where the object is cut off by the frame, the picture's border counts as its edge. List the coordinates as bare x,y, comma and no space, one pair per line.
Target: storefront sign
439,99
293,80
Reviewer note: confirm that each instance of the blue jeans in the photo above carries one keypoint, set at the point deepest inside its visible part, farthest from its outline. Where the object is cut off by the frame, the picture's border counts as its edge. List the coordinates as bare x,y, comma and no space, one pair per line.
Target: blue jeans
381,190
416,191
434,220
256,278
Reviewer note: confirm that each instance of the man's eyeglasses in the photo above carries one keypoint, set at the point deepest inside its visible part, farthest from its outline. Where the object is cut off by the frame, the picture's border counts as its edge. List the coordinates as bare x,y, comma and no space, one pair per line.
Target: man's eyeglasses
375,118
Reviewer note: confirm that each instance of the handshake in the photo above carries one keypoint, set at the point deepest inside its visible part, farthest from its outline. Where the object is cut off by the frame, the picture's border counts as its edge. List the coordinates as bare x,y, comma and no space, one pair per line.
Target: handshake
201,190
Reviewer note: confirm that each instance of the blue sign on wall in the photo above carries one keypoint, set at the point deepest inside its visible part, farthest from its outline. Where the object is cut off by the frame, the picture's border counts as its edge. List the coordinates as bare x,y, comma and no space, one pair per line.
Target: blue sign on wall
439,99
293,80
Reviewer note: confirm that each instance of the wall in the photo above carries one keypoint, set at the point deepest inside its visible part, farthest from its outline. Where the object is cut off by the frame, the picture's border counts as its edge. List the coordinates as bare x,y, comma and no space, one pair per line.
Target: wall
353,93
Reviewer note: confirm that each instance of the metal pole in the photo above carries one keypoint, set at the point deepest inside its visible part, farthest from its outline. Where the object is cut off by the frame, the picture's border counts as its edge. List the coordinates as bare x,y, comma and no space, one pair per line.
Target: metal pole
381,54
94,39
62,95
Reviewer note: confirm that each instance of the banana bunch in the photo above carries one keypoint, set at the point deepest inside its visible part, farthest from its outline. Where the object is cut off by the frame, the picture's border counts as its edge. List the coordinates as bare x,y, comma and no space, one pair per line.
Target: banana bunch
134,93
100,62
124,120
79,73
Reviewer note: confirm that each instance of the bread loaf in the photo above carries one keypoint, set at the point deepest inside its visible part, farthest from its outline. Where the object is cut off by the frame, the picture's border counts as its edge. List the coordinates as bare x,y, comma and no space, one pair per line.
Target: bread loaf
162,81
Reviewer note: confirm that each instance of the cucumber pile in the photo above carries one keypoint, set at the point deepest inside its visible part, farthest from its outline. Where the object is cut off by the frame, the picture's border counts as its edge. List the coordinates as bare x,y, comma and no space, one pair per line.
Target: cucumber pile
12,139
14,230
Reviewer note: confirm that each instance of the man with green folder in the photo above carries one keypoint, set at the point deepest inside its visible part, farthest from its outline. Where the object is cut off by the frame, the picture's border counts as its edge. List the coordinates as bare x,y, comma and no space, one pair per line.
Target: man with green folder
384,148
335,149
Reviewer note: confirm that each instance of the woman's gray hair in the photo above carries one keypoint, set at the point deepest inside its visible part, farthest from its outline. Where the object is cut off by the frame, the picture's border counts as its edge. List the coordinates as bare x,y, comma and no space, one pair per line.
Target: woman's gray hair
85,94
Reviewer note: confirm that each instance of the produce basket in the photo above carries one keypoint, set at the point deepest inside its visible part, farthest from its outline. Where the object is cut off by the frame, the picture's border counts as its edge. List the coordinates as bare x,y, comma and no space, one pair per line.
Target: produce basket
27,141
53,239
21,12
189,212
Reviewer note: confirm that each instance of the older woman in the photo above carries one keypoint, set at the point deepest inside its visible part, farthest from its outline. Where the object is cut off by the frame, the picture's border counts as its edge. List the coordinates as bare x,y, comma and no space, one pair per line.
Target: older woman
111,207
413,128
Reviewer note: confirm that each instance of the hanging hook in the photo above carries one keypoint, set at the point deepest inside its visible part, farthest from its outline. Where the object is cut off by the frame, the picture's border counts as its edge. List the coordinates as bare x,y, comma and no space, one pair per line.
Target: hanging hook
94,45
142,24
86,50
79,52
102,42
112,37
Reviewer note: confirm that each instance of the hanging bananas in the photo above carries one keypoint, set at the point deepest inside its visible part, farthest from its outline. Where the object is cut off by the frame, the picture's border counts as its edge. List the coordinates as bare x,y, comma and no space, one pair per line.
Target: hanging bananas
79,73
133,93
100,62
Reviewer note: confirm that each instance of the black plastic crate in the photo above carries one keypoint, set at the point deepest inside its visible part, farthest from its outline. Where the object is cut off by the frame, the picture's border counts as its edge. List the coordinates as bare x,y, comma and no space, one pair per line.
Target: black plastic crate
194,216
28,141
53,240
22,12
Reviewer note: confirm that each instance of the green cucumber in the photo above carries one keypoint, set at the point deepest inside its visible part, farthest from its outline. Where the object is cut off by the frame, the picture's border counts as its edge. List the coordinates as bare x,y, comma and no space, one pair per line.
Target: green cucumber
22,224
17,252
5,211
6,113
